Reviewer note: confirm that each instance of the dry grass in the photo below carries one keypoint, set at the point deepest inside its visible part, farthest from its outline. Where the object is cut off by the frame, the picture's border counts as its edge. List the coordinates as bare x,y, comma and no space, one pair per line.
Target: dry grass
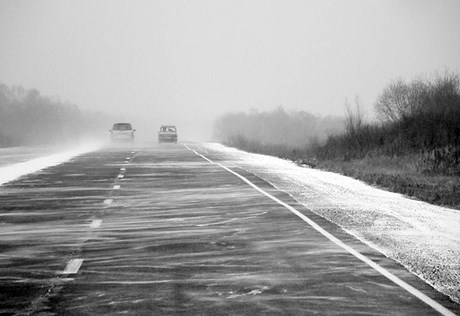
400,175
412,174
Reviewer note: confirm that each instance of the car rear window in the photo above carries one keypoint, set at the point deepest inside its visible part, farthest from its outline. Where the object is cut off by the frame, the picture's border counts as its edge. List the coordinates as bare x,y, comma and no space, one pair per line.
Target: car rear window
168,129
122,127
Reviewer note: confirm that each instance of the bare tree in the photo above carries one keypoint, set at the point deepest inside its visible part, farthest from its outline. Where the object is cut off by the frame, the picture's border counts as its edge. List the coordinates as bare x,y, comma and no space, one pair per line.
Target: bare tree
394,103
400,101
354,118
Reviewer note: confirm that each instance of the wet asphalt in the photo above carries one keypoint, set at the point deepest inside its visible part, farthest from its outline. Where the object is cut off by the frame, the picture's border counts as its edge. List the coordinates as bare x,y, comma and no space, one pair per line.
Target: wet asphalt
158,230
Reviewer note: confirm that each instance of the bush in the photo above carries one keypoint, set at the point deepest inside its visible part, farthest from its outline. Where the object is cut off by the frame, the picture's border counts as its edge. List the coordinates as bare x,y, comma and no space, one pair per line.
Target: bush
421,117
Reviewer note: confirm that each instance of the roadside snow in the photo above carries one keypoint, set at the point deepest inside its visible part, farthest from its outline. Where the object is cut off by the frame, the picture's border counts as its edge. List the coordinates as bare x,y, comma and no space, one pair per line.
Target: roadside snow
13,171
422,237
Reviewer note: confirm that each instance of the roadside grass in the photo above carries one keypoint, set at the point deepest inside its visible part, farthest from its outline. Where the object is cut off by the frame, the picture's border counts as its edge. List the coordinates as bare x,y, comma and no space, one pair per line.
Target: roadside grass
399,175
410,174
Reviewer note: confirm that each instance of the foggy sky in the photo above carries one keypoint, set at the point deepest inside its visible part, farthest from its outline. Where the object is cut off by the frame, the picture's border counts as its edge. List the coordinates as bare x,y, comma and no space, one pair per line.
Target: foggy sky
186,62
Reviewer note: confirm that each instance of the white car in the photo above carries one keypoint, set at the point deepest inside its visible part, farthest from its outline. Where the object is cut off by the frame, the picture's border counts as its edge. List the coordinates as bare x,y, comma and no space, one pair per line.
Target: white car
122,132
167,134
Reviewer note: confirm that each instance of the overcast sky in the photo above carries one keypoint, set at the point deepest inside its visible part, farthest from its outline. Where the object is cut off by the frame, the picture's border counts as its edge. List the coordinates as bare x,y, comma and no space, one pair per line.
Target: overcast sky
189,61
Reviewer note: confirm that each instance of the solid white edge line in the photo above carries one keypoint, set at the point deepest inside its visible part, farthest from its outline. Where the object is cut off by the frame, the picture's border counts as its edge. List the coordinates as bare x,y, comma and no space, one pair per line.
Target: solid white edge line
196,153
424,298
73,266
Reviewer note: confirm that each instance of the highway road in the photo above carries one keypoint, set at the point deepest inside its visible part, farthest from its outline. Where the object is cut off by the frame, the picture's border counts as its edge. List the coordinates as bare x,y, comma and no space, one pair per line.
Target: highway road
175,230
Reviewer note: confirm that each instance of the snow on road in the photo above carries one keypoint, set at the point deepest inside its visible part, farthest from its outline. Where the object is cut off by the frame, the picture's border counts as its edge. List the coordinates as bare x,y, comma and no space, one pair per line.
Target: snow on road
422,237
19,161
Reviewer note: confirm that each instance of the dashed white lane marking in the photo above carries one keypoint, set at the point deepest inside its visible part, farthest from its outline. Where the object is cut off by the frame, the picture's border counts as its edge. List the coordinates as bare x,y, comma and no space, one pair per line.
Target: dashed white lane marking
427,300
73,266
96,223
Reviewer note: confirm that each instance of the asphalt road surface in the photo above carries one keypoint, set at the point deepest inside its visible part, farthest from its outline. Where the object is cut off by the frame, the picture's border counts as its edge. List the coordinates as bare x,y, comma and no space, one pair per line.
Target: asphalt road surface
169,230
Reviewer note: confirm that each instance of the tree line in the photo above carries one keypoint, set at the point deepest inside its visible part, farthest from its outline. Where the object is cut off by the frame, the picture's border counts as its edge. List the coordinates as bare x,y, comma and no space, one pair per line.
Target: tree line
29,118
290,128
419,118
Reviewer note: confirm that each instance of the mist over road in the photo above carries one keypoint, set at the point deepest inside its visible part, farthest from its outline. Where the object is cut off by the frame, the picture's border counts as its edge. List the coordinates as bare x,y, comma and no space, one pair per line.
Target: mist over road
173,229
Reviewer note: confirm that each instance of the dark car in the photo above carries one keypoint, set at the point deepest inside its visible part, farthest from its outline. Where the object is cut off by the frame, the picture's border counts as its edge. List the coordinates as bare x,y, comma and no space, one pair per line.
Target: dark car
122,132
167,134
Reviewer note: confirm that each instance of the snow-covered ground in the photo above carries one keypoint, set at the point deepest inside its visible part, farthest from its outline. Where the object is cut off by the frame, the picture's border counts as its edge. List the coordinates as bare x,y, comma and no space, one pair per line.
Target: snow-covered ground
422,237
19,161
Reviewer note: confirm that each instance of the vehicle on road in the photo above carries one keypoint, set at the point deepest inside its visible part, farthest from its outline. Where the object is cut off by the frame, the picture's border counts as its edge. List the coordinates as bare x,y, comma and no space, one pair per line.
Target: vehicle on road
167,134
122,132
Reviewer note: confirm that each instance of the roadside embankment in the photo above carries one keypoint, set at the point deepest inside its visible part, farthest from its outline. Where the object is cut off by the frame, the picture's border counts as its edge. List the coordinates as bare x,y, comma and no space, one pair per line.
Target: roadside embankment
398,175
16,162
408,175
